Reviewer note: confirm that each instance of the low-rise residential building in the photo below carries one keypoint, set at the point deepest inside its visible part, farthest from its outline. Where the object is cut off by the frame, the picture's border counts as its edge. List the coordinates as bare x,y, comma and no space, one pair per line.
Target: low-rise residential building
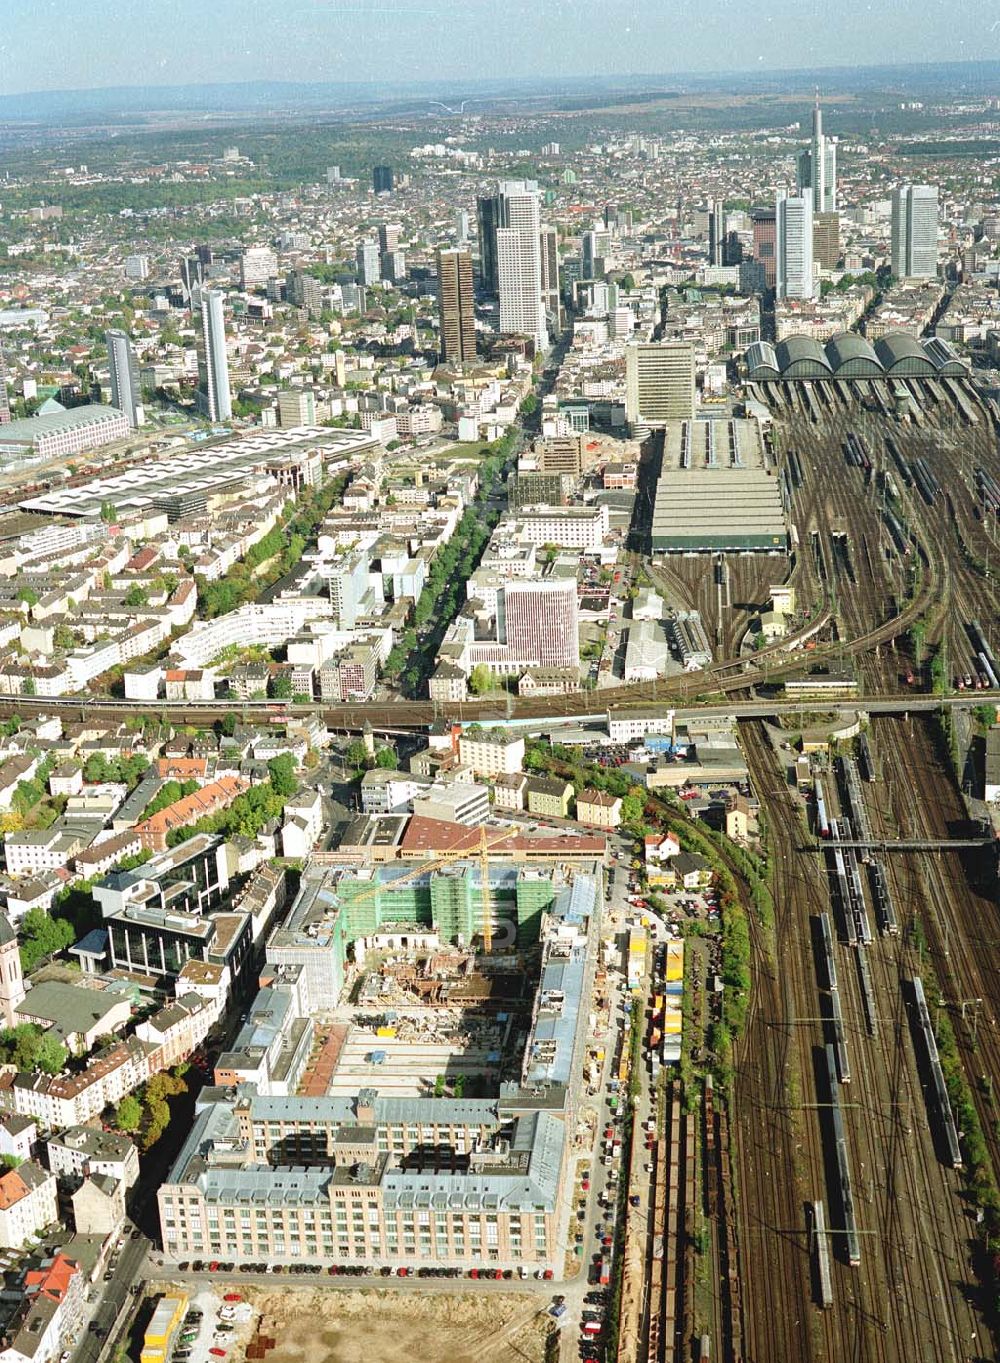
458,802
28,1203
509,791
598,809
98,1206
80,1151
549,796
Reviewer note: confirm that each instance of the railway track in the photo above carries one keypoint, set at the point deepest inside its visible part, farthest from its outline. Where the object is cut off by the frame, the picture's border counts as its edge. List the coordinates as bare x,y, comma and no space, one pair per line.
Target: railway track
906,1300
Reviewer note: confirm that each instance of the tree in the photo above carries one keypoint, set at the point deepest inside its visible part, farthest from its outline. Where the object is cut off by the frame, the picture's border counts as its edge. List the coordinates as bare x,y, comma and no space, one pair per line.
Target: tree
632,810
480,680
281,686
135,597
28,595
228,724
28,687
52,1054
281,771
386,757
109,513
43,936
357,754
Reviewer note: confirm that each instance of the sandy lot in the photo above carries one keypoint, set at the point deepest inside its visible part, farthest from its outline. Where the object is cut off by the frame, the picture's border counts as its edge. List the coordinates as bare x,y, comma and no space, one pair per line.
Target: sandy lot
387,1327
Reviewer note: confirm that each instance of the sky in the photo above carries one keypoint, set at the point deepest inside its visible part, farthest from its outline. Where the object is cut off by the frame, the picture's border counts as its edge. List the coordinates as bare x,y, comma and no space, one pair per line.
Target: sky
66,44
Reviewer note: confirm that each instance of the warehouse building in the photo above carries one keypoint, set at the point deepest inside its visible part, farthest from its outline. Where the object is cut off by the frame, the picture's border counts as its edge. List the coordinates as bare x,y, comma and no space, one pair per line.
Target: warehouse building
716,492
64,432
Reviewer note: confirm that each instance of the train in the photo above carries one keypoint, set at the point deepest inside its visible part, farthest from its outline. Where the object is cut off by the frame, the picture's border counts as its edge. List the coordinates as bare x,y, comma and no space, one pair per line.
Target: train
839,1040
988,490
824,1282
897,533
856,451
946,1117
829,964
853,1240
865,764
822,821
885,908
927,485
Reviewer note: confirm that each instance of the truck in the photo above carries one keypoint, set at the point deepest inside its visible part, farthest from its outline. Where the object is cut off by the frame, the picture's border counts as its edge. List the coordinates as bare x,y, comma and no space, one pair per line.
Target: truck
604,1272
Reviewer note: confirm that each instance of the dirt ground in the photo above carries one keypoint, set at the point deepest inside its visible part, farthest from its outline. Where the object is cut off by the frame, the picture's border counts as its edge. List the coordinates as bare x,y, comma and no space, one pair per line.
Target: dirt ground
398,1327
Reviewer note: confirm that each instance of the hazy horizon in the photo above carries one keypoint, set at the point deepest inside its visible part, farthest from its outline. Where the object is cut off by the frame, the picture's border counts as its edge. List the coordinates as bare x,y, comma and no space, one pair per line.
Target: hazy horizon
50,47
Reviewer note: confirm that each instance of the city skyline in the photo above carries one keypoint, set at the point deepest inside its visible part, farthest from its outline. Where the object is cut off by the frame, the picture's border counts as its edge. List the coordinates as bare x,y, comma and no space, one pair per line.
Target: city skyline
352,42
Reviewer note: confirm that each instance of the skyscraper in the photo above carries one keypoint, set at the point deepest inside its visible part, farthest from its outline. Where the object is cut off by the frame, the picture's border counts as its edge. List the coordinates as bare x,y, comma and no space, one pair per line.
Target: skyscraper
659,382
551,299
764,242
369,262
488,221
214,398
794,243
519,263
456,299
126,393
4,398
817,166
389,234
914,231
595,246
826,239
383,180
716,231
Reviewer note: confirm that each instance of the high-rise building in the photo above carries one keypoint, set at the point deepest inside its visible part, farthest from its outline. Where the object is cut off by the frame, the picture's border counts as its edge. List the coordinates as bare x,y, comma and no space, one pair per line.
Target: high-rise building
461,226
214,398
551,299
297,407
826,239
594,247
659,382
369,263
764,242
539,621
519,263
816,166
732,249
794,246
383,180
456,306
389,234
392,265
304,291
126,392
716,231
137,267
4,397
914,231
488,220
258,264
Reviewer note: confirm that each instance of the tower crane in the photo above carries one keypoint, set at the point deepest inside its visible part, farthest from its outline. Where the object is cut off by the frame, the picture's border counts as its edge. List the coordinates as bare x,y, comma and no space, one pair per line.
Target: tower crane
478,849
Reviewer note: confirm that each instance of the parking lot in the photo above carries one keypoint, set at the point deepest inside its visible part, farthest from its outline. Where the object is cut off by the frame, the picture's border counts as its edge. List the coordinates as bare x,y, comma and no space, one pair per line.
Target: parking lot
214,1325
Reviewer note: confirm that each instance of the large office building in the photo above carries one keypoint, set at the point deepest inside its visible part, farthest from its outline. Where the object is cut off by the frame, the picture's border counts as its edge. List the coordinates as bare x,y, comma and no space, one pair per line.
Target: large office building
126,393
659,382
4,399
383,179
214,398
63,433
488,221
595,247
716,232
826,239
551,298
817,167
519,263
258,264
764,222
794,246
456,306
369,263
914,231
374,1175
540,621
